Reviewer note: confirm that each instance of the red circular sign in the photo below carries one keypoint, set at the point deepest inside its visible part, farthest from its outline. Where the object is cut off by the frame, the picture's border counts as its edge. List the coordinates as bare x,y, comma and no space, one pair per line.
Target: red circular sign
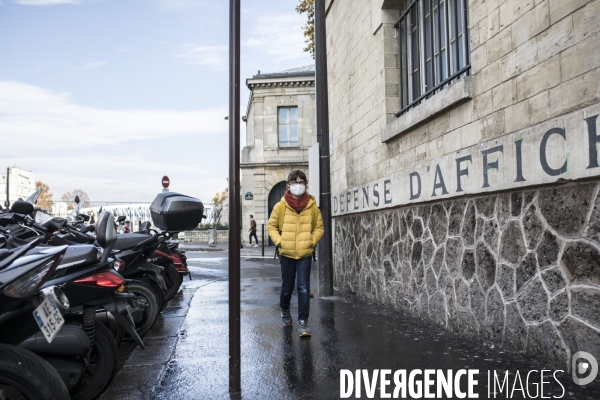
165,181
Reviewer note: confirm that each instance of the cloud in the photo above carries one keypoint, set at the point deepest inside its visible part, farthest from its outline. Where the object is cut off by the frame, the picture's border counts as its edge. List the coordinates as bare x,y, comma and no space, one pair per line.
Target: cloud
30,114
51,2
179,4
215,57
114,155
93,65
279,35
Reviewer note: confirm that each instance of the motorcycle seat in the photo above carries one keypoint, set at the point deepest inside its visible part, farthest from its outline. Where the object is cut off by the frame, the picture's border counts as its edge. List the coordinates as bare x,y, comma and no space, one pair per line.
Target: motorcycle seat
77,254
129,240
80,254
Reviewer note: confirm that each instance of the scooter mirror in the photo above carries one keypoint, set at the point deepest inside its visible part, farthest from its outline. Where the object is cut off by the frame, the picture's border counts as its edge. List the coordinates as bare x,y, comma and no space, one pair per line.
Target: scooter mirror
77,199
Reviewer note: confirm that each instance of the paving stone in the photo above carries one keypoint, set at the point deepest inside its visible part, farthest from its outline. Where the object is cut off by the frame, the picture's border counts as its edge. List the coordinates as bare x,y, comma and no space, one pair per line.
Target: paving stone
566,209
486,205
593,230
468,229
453,254
506,281
580,262
417,228
417,253
437,308
533,227
430,280
525,271
467,267
468,324
547,250
585,303
503,209
486,266
477,302
580,337
428,251
544,343
494,322
515,333
512,246
438,224
456,216
553,279
516,203
438,259
533,301
462,294
491,234
559,306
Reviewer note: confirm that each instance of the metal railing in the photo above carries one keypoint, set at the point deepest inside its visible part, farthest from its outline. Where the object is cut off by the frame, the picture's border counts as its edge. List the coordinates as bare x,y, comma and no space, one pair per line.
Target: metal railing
434,48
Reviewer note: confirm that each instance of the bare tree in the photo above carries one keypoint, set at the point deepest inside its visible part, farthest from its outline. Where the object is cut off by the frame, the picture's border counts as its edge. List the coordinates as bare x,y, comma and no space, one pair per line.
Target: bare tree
44,200
69,198
219,198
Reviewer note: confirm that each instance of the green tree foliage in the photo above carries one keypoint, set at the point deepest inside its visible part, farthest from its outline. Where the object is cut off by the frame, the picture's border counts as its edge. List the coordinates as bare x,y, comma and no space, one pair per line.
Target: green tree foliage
308,7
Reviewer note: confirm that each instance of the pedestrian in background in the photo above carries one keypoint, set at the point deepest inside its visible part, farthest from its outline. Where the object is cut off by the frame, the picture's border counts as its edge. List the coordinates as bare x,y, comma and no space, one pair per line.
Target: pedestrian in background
252,231
296,226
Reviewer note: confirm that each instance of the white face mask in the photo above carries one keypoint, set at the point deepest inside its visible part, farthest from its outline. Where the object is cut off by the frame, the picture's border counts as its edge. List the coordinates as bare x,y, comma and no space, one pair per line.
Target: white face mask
297,190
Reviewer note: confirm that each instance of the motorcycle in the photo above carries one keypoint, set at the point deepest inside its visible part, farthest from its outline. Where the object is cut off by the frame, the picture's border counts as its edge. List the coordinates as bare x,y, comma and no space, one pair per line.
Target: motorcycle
23,373
143,279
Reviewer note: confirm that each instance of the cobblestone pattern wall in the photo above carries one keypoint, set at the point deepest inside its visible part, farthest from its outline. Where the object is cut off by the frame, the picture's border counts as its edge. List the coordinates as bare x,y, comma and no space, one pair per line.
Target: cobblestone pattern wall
518,270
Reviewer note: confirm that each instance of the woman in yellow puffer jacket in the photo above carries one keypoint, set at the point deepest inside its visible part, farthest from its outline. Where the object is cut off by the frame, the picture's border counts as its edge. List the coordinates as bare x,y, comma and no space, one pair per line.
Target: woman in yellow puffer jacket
296,238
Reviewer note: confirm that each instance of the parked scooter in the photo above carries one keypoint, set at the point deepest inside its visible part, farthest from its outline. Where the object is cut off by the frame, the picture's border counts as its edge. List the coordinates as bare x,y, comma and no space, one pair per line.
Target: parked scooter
144,279
85,352
23,374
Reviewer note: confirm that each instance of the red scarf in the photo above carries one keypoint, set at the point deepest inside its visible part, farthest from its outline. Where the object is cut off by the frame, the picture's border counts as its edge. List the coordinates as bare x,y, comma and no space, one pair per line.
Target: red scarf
297,204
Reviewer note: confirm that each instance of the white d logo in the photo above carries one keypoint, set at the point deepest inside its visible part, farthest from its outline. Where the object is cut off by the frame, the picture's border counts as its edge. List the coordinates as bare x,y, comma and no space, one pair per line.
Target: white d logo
590,366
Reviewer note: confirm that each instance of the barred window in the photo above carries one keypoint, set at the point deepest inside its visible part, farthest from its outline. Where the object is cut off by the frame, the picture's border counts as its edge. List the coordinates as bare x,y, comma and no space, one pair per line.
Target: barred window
288,126
434,48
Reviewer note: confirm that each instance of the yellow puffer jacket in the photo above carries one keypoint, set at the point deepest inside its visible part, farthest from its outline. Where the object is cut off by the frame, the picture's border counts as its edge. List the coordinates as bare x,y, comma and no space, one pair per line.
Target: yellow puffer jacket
296,239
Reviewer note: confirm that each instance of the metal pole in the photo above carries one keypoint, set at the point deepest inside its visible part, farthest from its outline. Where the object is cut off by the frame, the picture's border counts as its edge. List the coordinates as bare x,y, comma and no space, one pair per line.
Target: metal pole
325,245
7,203
234,196
262,239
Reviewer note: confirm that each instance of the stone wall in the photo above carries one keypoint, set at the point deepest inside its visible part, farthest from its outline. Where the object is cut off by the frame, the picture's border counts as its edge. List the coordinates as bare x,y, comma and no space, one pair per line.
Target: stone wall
531,61
519,270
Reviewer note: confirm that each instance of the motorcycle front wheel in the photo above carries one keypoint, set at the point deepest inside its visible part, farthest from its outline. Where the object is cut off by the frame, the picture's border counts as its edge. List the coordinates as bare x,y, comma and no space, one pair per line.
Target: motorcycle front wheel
24,375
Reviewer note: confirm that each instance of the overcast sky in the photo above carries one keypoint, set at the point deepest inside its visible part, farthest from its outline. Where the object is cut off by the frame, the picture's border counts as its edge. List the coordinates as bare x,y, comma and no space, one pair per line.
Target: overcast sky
110,95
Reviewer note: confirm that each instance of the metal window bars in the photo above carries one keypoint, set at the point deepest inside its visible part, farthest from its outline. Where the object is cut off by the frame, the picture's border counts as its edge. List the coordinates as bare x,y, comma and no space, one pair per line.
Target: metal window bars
434,48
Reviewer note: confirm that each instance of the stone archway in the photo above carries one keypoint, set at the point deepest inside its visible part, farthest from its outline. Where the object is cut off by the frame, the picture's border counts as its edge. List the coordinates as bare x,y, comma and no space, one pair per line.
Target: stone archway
275,195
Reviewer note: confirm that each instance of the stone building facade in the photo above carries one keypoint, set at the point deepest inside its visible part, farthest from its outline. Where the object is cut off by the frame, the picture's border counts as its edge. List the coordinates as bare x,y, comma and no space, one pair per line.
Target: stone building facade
280,128
465,172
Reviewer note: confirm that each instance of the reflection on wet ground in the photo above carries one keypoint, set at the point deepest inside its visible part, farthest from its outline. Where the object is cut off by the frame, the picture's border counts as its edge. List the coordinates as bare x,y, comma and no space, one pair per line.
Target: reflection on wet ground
347,334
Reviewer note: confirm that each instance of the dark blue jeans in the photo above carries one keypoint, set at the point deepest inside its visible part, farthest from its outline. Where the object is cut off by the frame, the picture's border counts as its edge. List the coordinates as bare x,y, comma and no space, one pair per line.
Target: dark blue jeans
289,269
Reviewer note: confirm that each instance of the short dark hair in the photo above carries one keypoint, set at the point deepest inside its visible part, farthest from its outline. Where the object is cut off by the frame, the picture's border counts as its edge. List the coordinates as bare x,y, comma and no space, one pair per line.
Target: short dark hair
251,216
295,174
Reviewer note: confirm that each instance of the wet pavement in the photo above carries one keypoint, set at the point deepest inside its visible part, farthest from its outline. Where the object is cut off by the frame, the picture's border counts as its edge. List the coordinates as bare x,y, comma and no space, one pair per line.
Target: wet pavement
187,350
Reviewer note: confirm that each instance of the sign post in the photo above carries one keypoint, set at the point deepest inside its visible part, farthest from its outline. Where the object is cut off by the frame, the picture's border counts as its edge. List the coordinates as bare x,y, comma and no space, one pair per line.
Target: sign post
165,183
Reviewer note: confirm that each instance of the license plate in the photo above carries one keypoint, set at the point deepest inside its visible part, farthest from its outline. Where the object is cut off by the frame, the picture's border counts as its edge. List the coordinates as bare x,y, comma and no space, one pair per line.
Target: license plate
48,318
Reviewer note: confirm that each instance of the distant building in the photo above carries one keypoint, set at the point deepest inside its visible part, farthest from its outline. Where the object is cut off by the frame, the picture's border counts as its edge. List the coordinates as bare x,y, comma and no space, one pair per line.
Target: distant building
60,209
280,128
21,184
